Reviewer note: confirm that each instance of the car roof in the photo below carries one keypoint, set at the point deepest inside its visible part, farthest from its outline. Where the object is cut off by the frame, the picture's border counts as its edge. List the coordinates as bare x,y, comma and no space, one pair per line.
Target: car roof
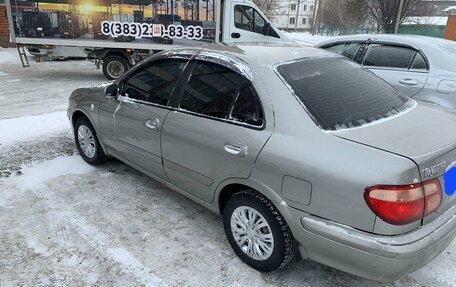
258,54
399,38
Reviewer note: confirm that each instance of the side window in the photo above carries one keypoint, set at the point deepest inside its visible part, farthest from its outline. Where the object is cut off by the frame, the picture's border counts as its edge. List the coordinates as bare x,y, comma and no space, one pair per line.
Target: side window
247,108
211,90
155,83
418,63
348,50
247,18
388,56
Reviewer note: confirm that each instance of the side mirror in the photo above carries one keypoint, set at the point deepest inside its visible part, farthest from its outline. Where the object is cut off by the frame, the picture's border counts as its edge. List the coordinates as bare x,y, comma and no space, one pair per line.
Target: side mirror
111,91
266,28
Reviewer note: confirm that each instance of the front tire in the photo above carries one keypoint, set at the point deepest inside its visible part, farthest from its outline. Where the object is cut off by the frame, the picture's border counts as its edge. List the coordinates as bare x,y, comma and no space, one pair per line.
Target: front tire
257,232
87,142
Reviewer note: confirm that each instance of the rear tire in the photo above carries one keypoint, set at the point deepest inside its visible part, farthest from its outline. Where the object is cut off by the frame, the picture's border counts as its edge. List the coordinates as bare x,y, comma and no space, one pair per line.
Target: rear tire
114,67
87,142
250,219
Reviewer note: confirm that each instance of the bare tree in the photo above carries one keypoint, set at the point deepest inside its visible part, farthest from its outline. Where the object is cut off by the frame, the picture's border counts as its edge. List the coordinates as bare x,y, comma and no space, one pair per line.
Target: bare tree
343,14
268,7
385,12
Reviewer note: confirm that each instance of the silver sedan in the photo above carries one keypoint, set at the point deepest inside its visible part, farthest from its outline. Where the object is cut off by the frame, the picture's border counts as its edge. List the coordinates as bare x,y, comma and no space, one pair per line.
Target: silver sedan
302,151
422,68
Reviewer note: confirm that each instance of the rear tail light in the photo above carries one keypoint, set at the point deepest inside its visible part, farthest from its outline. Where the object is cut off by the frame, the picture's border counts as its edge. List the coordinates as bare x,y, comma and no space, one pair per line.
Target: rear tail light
432,196
403,204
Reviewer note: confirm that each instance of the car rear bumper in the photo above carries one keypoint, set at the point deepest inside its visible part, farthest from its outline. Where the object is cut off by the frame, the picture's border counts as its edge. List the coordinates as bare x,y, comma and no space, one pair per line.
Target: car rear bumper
381,258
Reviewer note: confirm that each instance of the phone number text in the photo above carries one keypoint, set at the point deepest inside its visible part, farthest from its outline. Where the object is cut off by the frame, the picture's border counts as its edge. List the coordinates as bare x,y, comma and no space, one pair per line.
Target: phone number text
145,30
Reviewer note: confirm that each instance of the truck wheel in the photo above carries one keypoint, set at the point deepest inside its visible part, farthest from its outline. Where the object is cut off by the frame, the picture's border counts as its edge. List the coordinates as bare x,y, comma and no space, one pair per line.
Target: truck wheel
257,232
114,67
87,142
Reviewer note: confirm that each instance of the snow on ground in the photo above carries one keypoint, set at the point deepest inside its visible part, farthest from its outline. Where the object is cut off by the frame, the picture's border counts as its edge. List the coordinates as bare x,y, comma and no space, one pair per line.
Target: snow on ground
8,56
28,127
65,223
308,38
43,87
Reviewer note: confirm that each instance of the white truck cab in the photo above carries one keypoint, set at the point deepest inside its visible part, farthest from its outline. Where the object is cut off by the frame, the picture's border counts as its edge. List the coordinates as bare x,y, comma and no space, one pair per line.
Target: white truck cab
242,21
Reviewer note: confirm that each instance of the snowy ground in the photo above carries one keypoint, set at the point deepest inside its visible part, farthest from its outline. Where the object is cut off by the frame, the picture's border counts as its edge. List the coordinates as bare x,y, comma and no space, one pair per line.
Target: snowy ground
307,38
63,222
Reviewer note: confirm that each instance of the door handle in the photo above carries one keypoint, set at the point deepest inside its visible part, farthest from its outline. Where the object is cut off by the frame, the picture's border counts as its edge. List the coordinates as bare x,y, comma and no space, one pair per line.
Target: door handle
235,35
408,82
153,124
236,149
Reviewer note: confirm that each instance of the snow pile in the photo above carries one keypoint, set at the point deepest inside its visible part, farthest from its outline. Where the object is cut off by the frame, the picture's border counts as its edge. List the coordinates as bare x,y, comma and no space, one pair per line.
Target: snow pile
25,128
308,38
442,21
34,176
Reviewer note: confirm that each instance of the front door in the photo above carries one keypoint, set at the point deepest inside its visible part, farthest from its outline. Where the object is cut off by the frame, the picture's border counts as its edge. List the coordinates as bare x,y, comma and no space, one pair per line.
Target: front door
248,25
216,132
143,107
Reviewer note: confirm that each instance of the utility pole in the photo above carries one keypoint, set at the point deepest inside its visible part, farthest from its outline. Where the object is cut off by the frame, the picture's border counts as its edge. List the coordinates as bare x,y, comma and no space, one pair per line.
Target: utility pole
297,14
314,17
398,18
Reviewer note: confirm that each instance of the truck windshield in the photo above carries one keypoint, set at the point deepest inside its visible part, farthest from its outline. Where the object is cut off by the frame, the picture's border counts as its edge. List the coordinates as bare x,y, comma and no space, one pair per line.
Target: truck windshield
338,93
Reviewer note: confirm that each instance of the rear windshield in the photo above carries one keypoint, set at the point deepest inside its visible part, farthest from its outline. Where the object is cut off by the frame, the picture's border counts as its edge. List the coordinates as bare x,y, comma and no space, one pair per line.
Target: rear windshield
338,93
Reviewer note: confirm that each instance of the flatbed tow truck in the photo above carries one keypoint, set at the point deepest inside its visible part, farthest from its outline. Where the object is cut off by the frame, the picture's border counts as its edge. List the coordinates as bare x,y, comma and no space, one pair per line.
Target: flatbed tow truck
116,34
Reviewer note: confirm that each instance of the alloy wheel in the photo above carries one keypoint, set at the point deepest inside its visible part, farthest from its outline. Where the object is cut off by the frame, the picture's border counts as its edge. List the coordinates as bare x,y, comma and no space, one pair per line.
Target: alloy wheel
86,141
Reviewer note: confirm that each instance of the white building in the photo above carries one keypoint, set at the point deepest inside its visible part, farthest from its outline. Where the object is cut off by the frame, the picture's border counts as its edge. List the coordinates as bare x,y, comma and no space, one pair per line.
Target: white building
293,15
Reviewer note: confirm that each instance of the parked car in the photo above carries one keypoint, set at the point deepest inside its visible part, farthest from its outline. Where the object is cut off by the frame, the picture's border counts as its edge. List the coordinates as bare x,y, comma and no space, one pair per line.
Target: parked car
423,68
302,151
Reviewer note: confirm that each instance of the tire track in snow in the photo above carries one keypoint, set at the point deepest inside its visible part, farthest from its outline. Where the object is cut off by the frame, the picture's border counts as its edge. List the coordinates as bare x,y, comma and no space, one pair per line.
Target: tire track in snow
96,247
64,218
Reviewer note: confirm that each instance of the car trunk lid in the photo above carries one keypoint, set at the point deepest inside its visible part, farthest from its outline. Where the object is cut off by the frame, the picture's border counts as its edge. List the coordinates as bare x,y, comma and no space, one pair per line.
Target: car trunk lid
424,134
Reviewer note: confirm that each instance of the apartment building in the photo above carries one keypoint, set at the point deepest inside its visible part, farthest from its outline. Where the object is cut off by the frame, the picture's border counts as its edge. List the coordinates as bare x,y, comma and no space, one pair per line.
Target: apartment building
290,15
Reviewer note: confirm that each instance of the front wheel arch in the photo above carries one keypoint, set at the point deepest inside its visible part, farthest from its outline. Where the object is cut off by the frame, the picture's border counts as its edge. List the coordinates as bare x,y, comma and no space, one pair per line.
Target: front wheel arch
87,142
78,114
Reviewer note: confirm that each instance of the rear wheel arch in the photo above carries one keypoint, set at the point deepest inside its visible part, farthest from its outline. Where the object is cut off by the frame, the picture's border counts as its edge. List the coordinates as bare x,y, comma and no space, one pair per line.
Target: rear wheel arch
284,247
227,192
118,53
231,187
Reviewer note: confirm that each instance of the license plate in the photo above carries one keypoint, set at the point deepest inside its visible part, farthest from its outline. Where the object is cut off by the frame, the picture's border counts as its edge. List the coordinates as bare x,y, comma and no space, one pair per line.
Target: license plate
449,179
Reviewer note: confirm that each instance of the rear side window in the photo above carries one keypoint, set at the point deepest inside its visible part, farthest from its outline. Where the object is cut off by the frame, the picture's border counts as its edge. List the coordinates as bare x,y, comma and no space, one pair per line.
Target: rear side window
348,50
338,93
418,63
389,56
211,90
247,108
155,83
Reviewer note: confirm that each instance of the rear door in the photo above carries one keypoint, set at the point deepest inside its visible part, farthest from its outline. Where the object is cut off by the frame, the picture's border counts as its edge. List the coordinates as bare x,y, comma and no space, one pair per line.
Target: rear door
143,107
216,131
349,49
403,67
